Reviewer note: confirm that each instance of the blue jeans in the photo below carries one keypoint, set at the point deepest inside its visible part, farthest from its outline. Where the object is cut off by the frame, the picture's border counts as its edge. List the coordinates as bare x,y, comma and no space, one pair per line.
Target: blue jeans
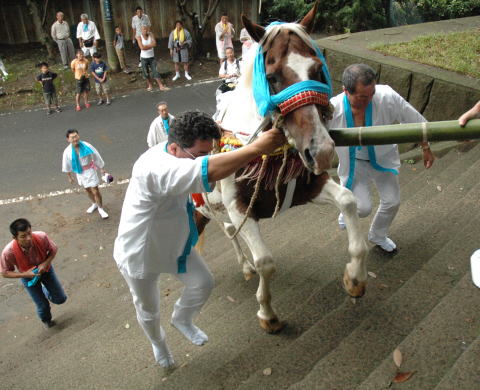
149,68
48,288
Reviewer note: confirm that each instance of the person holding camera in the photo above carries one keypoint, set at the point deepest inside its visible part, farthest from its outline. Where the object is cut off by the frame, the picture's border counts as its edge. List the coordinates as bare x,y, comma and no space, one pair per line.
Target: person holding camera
87,35
179,42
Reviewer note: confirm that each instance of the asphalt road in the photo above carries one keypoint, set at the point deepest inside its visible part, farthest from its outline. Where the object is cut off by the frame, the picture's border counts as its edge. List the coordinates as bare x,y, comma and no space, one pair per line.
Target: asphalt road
31,144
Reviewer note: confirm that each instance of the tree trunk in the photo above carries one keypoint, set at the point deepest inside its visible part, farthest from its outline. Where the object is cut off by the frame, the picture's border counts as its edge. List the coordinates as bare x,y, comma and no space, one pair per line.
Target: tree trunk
42,35
198,27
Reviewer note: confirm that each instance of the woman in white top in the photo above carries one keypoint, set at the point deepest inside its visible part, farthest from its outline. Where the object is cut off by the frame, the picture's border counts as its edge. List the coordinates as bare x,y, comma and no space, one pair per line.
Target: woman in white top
247,42
146,43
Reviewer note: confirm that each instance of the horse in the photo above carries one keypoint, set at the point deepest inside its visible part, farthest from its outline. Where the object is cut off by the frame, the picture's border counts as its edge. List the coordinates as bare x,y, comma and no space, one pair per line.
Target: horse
290,57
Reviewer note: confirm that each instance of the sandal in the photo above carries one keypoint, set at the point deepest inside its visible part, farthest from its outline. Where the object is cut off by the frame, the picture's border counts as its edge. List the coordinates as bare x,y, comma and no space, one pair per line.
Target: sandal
78,108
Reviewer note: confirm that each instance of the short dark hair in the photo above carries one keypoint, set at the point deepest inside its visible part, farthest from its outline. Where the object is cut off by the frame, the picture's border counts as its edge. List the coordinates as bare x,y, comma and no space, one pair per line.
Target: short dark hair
177,21
71,131
79,51
19,225
138,8
190,126
162,103
355,73
96,55
117,26
41,64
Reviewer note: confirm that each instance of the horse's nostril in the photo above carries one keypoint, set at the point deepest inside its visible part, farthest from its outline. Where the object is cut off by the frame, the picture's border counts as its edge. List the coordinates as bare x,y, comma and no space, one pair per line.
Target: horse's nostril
309,157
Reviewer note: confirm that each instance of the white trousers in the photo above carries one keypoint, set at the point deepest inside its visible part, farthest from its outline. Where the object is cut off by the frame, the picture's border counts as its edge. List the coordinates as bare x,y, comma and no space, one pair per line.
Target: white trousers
198,281
388,189
89,51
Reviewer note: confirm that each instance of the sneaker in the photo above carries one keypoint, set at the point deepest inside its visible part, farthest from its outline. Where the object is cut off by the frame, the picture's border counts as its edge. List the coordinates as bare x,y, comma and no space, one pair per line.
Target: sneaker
65,67
385,243
49,112
102,213
87,105
49,324
176,77
78,108
187,76
58,109
100,102
164,89
92,208
126,71
139,64
108,102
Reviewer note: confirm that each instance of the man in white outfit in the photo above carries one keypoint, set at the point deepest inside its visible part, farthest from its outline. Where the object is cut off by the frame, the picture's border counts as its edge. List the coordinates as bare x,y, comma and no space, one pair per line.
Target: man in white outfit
82,158
363,103
160,126
87,35
157,231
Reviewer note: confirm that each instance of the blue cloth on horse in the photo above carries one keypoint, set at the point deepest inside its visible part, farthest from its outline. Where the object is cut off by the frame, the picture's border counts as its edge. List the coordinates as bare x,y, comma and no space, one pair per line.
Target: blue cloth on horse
83,150
267,103
352,150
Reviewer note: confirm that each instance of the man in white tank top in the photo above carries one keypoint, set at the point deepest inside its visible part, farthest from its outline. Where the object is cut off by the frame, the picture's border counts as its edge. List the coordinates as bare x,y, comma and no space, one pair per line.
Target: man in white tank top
146,43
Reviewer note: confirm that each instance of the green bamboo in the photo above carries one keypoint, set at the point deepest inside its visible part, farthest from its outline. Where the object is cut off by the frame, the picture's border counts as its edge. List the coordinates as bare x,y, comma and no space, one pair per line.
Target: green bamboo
406,133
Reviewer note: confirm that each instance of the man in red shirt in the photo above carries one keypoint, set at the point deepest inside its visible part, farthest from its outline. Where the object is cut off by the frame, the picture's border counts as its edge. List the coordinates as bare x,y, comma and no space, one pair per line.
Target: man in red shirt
29,256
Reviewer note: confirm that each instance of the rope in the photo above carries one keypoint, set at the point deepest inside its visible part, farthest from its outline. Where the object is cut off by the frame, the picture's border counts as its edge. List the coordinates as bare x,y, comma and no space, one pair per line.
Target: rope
277,183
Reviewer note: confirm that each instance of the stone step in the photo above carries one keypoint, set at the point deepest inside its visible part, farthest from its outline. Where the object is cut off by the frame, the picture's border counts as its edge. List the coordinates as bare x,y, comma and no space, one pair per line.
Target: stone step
456,377
311,348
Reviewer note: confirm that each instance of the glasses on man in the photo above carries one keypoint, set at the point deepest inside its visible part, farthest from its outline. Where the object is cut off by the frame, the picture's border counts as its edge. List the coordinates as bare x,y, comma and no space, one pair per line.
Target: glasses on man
190,154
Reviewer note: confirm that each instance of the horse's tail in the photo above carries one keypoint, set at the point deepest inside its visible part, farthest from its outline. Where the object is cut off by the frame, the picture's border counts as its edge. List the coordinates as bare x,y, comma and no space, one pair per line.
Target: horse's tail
201,221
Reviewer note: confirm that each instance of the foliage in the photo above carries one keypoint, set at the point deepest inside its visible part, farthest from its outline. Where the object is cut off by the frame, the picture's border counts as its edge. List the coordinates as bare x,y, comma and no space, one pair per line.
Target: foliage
333,15
431,10
404,12
453,51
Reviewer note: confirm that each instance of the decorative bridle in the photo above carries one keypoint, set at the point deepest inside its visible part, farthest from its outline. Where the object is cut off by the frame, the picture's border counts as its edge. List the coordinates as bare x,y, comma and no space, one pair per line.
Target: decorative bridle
294,96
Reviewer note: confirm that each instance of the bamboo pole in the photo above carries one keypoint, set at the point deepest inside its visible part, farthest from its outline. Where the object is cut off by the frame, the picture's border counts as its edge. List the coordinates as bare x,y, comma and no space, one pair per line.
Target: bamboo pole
406,133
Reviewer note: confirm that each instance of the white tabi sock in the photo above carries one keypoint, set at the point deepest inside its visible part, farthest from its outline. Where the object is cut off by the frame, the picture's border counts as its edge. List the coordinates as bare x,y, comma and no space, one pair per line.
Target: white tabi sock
92,208
190,331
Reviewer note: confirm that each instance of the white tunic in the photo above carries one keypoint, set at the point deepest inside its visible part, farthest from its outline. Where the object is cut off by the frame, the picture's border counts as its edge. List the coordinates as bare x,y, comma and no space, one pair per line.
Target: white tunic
388,108
90,163
157,132
92,31
154,225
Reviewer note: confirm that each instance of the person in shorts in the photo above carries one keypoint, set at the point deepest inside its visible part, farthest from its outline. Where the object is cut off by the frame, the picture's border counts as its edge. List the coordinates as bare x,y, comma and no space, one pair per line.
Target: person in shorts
80,69
99,72
49,94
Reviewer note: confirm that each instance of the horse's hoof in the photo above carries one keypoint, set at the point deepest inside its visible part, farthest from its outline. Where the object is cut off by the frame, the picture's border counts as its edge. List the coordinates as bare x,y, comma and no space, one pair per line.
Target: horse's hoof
249,275
271,326
353,287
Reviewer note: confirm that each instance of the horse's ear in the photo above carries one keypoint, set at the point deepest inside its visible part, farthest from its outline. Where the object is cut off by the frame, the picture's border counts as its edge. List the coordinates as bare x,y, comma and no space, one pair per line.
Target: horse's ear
256,32
309,18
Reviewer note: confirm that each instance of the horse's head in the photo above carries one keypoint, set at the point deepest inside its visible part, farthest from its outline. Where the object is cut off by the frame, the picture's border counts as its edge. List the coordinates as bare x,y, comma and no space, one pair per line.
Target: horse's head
290,58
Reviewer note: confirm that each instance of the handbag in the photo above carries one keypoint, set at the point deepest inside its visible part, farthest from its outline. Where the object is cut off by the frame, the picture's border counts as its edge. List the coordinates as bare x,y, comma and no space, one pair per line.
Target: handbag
88,42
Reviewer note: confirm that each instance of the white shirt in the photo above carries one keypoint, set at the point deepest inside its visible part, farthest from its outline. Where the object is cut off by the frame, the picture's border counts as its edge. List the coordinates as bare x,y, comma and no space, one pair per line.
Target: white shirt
388,108
90,163
154,225
232,69
149,52
157,132
91,31
137,23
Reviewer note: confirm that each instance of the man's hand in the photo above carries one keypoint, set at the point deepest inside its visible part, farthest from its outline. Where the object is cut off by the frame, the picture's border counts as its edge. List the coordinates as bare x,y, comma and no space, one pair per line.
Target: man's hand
270,140
428,158
30,273
43,267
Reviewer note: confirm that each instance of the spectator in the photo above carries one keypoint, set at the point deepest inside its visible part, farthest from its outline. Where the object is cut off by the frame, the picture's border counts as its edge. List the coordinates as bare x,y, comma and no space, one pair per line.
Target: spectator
229,71
246,41
179,42
160,126
79,67
60,32
224,33
83,159
474,112
31,254
49,94
87,35
119,45
99,72
146,42
138,20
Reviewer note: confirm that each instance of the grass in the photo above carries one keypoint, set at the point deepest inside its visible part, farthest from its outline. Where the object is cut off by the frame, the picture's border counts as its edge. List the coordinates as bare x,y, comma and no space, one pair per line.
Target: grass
458,52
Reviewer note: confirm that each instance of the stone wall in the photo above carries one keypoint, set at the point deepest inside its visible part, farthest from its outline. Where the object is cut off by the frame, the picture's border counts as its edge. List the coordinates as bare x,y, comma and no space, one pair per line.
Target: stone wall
436,93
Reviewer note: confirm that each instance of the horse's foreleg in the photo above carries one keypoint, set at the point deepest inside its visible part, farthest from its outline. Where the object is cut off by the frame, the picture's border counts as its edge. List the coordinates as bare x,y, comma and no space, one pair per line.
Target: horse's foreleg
265,268
355,276
247,269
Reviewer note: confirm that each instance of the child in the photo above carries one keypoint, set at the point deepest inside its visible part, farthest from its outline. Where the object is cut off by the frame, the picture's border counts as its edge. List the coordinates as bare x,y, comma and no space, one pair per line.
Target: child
119,45
46,79
80,68
99,71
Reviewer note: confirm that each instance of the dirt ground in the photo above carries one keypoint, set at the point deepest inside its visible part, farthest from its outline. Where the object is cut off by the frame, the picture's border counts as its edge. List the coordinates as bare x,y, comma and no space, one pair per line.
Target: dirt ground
21,91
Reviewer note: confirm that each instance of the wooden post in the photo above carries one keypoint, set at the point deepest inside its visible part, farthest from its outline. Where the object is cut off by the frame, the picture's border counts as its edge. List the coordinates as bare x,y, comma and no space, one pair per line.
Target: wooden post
108,27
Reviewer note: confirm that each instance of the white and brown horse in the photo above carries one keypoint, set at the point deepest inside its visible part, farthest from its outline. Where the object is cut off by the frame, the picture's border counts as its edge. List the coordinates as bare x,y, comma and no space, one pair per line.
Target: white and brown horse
289,58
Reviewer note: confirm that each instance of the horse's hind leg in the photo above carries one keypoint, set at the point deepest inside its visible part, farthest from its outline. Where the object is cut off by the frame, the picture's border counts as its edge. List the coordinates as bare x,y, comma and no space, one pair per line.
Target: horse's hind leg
355,276
247,269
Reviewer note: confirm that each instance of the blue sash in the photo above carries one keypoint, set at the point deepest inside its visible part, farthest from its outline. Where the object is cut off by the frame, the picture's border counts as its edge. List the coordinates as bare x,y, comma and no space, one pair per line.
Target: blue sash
83,150
352,150
191,240
166,125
